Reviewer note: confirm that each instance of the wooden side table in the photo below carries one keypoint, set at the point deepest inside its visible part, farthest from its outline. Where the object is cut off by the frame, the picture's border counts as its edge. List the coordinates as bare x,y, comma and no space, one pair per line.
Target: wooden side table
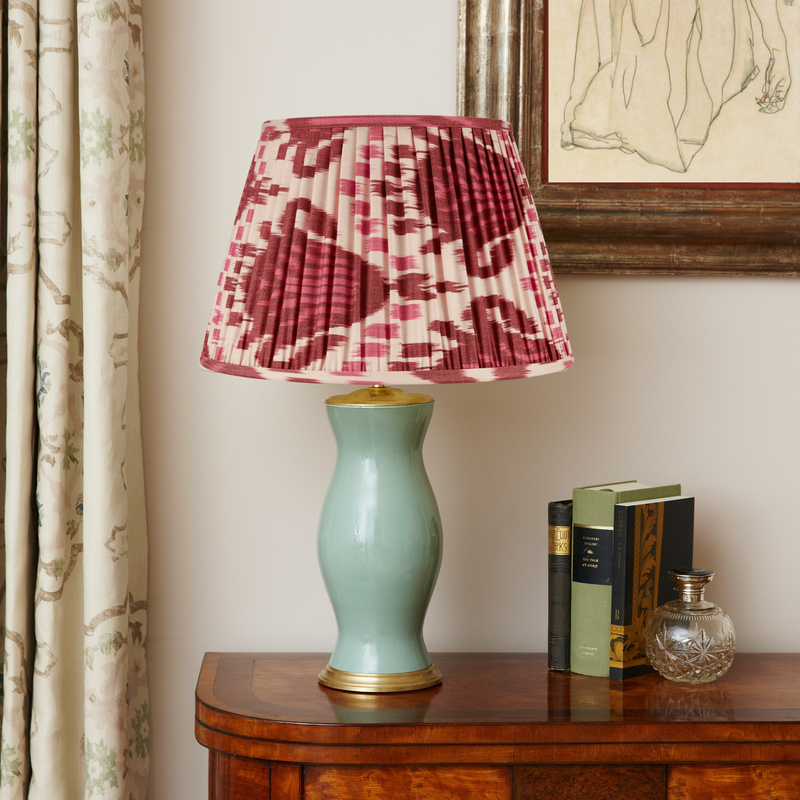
501,726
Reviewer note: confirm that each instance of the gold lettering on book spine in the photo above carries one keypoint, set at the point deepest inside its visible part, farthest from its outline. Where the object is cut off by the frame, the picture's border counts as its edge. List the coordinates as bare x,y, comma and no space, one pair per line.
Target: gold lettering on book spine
558,537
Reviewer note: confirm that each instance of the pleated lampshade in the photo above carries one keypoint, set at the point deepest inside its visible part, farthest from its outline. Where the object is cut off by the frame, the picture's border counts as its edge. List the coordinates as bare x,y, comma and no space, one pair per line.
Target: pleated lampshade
386,250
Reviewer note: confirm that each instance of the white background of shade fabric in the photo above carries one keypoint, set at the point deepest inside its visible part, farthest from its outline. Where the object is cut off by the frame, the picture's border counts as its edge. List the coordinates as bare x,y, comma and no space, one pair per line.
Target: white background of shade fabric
676,379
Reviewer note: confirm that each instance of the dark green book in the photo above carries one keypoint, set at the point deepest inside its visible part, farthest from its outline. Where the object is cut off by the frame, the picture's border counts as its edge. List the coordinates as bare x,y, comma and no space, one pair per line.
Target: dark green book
651,537
559,537
592,560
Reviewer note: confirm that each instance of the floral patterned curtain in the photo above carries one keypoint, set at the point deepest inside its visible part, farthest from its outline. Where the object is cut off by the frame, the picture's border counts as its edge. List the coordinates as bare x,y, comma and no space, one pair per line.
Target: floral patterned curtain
75,707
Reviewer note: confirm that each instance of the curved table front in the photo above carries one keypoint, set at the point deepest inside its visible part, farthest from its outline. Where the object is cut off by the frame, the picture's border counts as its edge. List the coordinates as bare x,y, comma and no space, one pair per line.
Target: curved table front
499,726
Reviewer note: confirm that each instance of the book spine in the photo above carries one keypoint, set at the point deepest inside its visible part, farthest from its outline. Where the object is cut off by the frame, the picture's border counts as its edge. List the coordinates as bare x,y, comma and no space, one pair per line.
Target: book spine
621,587
591,598
592,563
649,538
559,536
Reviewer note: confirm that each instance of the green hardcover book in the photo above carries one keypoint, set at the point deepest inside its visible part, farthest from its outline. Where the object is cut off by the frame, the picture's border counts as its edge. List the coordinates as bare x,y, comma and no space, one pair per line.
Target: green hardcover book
651,537
592,561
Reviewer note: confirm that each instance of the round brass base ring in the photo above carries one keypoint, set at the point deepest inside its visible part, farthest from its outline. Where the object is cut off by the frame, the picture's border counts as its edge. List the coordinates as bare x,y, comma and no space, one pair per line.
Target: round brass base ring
368,683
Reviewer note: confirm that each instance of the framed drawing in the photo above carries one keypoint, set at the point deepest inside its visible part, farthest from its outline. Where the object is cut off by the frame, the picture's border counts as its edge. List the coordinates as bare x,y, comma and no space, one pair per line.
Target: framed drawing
659,136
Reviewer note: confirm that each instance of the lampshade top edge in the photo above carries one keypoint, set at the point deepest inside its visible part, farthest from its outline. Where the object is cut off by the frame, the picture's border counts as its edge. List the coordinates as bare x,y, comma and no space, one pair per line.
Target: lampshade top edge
390,120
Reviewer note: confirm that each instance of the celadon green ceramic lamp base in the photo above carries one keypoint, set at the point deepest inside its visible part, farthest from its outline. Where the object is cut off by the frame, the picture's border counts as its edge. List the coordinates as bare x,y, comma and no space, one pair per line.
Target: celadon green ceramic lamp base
380,542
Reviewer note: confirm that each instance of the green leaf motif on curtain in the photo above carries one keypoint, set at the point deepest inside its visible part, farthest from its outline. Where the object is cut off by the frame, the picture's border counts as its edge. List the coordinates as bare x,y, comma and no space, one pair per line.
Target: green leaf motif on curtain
21,141
44,381
137,137
101,762
108,11
113,259
70,451
9,766
95,137
110,643
141,728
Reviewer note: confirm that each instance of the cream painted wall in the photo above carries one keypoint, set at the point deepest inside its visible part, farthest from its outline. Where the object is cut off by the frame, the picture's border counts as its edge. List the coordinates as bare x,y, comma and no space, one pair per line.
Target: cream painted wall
685,379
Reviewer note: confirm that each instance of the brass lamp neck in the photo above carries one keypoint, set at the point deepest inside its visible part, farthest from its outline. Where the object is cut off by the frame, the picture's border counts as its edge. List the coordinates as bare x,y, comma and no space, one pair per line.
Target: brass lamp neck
378,395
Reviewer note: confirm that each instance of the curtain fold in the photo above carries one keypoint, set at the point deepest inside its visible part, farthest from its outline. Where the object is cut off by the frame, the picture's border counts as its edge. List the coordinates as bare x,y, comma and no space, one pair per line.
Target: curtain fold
75,705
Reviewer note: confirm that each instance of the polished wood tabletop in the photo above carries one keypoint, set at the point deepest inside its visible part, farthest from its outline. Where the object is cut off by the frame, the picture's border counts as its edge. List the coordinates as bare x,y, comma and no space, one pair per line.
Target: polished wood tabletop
507,716
485,689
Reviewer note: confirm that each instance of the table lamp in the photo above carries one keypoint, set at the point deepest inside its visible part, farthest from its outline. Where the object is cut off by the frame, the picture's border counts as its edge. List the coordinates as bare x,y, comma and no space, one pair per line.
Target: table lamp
383,250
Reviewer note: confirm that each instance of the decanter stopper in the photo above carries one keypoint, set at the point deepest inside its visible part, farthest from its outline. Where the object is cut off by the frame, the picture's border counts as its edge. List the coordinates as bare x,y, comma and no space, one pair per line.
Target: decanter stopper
690,640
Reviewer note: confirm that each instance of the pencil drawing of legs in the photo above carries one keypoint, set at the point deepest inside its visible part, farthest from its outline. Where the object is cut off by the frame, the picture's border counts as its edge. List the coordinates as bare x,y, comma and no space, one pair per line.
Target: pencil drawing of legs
651,76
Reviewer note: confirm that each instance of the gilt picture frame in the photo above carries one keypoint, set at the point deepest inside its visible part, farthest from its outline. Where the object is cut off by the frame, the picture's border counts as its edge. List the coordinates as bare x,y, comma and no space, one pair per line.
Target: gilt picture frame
673,225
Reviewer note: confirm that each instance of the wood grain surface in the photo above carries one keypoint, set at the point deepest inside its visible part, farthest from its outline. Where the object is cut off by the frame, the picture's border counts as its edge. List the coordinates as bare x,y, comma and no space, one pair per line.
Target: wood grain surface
232,778
421,783
286,781
739,782
590,783
499,721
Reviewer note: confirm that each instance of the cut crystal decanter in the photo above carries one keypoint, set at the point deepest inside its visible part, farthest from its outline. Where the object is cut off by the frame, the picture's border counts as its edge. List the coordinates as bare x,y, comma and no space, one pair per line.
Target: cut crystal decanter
690,640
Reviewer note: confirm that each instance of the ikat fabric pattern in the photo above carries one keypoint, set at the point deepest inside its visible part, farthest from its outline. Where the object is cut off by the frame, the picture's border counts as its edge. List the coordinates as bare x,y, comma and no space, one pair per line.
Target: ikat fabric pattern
386,249
75,709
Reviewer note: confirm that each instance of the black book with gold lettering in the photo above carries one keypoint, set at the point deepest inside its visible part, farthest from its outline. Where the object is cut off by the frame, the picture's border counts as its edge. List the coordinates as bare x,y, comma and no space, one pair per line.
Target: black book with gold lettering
559,535
651,537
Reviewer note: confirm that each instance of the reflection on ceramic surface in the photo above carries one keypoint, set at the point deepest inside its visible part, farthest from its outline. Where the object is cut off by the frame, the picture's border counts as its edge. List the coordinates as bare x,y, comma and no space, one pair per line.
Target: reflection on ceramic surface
380,538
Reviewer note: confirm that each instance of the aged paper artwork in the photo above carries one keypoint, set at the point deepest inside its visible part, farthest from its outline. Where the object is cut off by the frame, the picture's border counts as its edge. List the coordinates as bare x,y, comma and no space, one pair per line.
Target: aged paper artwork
673,91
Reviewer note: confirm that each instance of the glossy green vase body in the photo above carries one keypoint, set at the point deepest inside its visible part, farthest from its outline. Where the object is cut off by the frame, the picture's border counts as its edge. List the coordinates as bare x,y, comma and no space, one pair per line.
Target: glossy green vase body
380,538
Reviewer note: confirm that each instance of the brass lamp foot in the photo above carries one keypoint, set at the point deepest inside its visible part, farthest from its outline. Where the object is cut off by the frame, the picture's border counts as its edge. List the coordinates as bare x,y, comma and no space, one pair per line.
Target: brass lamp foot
373,683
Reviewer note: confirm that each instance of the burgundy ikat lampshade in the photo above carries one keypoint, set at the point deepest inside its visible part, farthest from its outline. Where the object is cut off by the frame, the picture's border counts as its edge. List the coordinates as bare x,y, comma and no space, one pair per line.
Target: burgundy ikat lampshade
399,250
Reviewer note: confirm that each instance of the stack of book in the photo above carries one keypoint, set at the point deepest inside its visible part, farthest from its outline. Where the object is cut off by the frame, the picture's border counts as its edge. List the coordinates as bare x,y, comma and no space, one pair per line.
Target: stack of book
625,539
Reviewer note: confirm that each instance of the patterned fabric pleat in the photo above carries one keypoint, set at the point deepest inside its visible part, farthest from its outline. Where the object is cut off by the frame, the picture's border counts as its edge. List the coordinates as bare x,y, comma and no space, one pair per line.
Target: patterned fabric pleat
75,715
386,249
